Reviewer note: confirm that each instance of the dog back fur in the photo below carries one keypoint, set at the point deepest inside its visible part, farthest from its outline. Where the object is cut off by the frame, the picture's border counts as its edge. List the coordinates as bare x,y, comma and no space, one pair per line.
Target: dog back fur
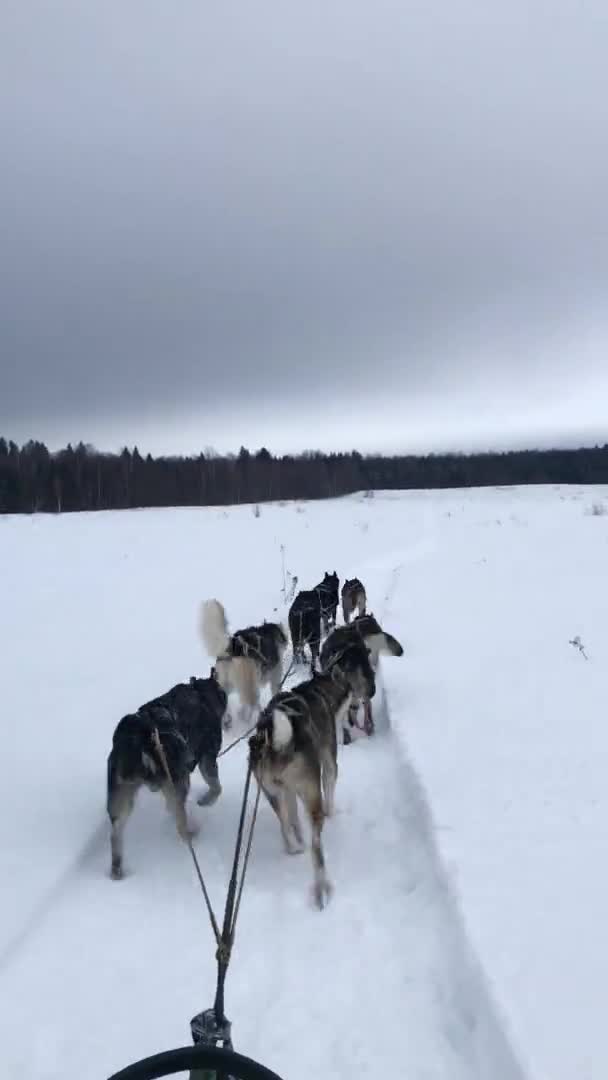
303,719
188,723
265,644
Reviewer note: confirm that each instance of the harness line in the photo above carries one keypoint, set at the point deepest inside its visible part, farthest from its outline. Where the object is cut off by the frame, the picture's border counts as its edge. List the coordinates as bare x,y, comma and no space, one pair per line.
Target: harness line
225,938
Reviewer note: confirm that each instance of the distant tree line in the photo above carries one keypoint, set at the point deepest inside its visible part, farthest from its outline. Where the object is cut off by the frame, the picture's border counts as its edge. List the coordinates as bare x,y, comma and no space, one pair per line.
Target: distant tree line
82,478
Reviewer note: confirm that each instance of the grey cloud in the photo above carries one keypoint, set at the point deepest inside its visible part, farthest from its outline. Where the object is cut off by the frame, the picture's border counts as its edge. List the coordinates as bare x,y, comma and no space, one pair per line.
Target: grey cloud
210,211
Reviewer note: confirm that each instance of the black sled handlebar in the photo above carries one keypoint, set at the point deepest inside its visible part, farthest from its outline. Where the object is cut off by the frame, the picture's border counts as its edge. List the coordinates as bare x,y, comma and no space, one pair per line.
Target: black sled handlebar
199,1059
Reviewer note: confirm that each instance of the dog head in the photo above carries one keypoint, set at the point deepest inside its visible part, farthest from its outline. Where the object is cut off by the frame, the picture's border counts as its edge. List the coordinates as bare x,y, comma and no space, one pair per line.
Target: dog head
367,625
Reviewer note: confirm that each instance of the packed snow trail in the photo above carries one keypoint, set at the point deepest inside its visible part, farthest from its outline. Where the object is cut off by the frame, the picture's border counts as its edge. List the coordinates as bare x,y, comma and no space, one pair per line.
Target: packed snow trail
380,983
380,977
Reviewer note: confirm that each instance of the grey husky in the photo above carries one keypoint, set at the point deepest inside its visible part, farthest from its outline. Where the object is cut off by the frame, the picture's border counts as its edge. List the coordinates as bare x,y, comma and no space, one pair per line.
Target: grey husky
246,660
353,598
293,754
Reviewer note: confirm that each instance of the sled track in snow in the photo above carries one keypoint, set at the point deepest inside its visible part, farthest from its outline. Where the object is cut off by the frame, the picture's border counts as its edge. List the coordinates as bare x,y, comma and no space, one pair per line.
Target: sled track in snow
390,949
45,905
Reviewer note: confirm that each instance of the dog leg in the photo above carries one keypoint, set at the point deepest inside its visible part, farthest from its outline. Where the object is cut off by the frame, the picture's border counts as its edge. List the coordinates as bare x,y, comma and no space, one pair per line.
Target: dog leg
175,797
311,797
280,805
294,821
353,711
330,776
284,811
209,772
368,722
314,653
343,735
120,806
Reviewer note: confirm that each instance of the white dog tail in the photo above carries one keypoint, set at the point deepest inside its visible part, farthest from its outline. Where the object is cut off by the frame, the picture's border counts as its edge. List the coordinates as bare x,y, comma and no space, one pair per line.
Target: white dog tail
214,628
282,730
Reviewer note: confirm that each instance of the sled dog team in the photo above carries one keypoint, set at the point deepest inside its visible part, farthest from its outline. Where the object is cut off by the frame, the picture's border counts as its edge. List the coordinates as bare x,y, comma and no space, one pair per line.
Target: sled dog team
293,748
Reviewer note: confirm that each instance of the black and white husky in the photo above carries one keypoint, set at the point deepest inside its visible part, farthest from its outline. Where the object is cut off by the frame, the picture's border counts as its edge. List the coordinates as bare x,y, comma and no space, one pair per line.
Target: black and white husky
378,641
187,721
246,660
338,649
312,610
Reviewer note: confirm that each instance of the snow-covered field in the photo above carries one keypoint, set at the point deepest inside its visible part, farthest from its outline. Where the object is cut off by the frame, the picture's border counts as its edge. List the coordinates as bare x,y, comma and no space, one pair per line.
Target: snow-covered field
464,936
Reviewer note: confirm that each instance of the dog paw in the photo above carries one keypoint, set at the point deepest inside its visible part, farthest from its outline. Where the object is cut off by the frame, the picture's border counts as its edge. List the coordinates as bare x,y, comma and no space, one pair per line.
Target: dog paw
208,798
192,829
322,893
117,873
295,849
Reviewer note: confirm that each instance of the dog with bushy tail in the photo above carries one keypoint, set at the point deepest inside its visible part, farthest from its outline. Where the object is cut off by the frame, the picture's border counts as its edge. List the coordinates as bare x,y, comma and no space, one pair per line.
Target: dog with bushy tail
245,661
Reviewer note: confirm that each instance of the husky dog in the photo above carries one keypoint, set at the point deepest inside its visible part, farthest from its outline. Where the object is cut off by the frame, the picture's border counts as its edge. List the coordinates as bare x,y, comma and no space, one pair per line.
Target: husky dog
293,753
353,598
310,609
246,660
351,659
188,720
377,640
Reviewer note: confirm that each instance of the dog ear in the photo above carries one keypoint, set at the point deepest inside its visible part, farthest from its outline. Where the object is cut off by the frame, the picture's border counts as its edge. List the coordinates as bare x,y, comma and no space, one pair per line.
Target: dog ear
213,672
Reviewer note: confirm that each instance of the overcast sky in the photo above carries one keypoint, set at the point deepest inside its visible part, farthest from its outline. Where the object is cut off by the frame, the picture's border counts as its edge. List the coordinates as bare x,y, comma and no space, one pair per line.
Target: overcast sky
322,223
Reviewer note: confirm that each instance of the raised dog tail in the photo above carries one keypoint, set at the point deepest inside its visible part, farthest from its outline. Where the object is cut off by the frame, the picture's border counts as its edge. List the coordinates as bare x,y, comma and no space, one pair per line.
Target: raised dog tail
282,730
214,628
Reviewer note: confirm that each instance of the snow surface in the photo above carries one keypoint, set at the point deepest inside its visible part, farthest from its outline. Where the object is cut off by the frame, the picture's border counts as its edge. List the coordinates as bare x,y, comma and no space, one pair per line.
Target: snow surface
463,943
